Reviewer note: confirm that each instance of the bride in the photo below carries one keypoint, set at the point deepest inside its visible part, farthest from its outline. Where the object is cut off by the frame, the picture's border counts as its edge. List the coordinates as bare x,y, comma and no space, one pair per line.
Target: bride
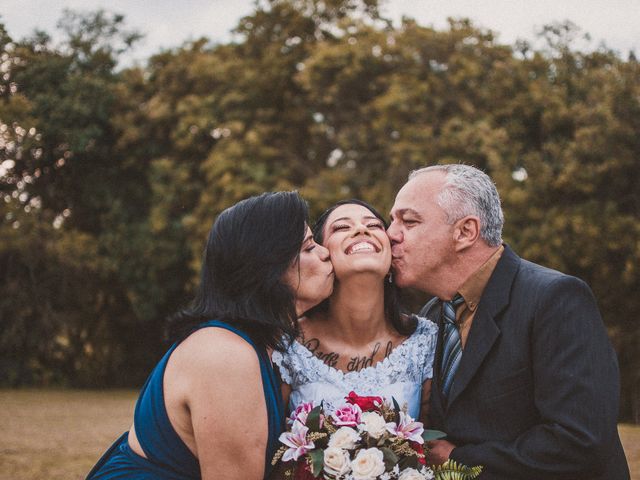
357,340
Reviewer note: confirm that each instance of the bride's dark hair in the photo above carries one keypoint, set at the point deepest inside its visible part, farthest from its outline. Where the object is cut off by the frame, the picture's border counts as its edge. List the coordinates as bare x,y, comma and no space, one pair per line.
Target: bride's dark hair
404,324
249,248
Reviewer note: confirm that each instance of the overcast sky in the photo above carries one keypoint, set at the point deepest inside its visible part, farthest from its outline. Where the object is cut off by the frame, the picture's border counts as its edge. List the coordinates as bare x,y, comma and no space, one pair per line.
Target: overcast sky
169,23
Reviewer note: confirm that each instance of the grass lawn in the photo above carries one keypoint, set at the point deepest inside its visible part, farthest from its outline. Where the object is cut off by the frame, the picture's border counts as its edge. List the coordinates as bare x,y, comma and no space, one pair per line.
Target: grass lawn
60,434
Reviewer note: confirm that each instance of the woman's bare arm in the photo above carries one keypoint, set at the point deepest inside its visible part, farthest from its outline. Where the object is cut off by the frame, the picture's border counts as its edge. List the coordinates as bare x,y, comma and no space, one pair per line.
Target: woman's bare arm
217,376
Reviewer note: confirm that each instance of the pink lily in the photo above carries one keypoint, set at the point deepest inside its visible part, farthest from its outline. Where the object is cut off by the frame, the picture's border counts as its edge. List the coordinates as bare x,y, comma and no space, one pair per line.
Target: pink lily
297,442
407,428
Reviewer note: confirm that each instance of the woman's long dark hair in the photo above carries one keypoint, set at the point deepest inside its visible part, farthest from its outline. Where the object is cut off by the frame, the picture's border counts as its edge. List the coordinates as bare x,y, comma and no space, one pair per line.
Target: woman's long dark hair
249,248
403,324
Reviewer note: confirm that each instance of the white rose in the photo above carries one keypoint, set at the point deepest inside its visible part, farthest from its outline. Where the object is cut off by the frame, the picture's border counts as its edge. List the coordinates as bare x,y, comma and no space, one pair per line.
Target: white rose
427,473
411,474
368,464
374,424
336,462
344,437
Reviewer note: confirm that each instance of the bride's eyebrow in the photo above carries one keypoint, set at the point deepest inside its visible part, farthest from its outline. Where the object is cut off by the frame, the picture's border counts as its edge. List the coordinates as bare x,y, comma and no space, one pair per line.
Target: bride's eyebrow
342,219
349,219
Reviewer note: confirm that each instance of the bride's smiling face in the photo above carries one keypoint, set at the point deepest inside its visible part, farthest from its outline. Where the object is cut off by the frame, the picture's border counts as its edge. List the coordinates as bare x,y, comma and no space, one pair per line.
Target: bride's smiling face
357,241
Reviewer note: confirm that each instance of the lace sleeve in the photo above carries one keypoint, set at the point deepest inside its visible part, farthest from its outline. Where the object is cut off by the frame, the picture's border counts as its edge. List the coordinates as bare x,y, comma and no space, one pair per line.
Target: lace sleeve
429,337
281,360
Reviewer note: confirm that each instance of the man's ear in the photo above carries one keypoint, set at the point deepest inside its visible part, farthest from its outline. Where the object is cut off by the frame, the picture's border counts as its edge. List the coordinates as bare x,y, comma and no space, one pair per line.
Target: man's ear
466,232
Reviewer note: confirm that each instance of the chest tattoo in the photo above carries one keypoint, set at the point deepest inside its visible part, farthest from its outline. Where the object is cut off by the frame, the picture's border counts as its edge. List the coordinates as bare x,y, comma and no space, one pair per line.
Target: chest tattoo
330,358
356,362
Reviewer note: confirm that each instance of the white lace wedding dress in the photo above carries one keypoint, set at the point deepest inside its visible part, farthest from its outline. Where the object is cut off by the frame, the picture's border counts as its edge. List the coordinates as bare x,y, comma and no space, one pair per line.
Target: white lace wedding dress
400,375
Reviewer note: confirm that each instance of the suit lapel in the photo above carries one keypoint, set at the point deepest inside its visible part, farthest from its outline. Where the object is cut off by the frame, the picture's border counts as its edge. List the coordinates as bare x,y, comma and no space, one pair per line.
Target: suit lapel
484,330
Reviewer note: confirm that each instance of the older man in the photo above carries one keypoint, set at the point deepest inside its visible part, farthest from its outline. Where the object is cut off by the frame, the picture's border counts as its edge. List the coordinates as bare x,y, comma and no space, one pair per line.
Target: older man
526,382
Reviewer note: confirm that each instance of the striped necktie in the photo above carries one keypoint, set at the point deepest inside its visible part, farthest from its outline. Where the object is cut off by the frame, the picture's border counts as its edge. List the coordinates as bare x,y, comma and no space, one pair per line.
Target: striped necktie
451,345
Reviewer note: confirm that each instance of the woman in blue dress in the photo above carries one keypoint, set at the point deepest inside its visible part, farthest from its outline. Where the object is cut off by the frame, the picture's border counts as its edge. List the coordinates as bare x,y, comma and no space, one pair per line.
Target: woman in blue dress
212,408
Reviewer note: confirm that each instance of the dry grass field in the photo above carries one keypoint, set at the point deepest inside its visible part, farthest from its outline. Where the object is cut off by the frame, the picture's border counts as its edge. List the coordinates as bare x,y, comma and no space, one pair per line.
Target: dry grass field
60,434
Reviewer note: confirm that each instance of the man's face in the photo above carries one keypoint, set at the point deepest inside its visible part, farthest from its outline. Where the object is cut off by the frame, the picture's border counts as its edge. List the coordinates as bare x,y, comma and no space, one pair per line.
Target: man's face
422,241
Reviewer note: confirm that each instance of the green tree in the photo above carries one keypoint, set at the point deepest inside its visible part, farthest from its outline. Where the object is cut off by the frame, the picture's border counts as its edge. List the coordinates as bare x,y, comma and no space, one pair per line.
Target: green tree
110,178
77,213
573,199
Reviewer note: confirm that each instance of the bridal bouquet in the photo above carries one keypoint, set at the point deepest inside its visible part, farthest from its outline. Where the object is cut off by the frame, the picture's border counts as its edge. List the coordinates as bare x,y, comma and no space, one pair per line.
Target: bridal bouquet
364,439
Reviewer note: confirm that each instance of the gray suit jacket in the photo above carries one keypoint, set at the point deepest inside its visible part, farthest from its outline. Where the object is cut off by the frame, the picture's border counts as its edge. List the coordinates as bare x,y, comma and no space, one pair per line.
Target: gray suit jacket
537,390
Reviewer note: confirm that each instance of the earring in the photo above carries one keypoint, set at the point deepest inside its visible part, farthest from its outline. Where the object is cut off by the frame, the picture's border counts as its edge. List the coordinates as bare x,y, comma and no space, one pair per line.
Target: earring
390,277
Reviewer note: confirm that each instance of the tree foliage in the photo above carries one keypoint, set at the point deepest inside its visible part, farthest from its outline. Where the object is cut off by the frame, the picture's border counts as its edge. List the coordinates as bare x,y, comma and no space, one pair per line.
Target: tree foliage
111,177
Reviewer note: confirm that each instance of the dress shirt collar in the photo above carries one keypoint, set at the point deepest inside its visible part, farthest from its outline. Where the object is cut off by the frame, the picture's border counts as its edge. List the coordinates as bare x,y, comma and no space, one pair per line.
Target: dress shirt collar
471,290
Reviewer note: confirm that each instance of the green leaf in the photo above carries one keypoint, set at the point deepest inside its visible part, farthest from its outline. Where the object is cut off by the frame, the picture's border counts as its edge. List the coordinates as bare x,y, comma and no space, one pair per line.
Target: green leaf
451,470
429,435
313,419
396,410
409,462
317,461
389,457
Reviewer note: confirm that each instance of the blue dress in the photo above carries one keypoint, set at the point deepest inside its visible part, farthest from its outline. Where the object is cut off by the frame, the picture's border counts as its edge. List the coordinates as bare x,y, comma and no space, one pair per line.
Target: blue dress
168,458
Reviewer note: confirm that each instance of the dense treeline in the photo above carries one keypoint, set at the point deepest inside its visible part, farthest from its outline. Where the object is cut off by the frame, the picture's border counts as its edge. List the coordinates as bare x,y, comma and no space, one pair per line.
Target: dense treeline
110,177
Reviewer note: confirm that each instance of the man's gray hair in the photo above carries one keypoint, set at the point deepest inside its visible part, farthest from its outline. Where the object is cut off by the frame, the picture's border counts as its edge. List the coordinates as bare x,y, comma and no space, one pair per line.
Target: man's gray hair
469,191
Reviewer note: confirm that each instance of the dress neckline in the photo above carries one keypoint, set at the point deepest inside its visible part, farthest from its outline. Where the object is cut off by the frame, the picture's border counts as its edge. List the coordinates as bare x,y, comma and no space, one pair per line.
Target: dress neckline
385,361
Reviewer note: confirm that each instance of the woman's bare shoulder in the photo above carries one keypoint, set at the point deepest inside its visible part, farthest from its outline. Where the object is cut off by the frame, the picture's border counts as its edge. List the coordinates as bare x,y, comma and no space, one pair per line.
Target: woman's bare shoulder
214,349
